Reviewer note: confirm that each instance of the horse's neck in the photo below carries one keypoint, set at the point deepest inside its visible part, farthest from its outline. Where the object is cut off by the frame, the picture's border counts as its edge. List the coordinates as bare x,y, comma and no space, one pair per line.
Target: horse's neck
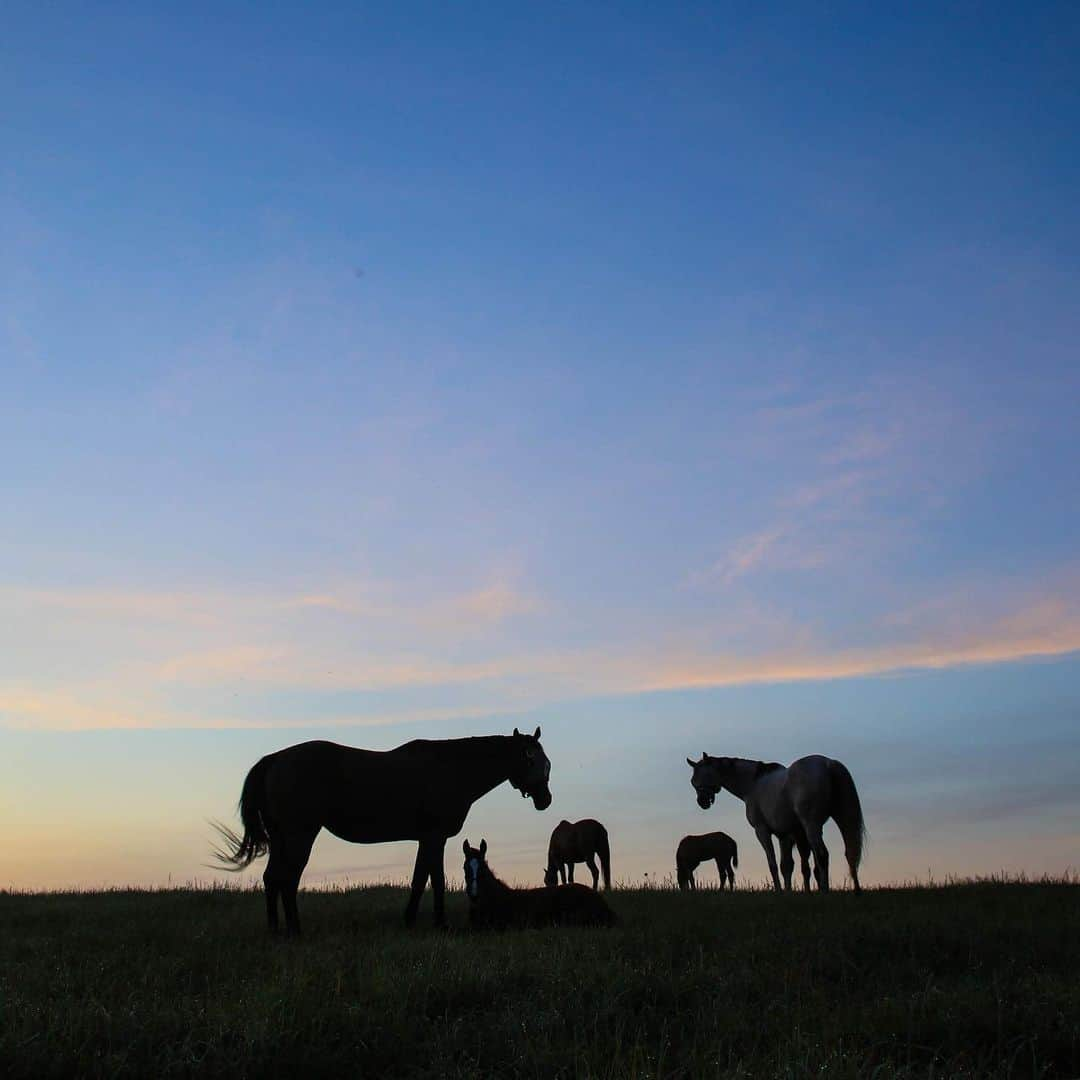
494,769
742,778
494,890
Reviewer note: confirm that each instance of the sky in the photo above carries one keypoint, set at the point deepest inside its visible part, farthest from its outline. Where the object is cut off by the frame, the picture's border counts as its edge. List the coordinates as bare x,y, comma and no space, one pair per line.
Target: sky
675,378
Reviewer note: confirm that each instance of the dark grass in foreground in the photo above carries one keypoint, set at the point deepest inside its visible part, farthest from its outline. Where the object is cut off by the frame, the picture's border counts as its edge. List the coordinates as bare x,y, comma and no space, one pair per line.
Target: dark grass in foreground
977,979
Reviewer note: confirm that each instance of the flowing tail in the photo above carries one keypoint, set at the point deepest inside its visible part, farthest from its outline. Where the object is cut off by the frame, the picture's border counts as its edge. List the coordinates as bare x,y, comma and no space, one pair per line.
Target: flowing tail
846,811
239,852
603,849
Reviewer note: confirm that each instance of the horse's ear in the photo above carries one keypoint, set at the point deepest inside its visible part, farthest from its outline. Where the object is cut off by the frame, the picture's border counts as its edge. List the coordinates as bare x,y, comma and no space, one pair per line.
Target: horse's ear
691,763
516,732
704,757
465,846
483,847
536,733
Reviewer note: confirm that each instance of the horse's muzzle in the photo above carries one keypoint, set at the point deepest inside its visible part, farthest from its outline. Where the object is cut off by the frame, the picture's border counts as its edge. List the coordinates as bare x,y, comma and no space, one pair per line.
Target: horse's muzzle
705,799
541,799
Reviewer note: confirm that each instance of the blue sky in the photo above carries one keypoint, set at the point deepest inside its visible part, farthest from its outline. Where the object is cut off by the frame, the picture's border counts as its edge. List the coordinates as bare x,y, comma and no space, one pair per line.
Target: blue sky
675,379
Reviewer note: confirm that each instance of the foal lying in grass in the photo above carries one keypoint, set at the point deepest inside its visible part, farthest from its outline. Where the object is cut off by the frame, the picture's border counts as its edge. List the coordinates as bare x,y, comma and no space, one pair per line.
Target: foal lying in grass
493,903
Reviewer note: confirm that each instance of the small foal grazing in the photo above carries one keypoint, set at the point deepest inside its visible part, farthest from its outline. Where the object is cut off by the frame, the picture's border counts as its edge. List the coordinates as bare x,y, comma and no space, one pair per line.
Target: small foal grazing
694,850
574,842
492,903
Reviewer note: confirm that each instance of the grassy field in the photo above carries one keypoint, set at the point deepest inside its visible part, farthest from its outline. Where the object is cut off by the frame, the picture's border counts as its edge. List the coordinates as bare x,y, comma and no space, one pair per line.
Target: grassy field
973,979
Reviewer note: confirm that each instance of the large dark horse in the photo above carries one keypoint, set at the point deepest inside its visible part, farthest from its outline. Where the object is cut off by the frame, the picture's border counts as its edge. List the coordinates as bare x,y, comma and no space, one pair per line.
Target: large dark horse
574,842
492,903
694,850
793,804
420,791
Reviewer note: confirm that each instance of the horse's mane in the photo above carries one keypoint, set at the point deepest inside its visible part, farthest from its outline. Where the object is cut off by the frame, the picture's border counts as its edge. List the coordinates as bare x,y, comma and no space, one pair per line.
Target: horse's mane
469,745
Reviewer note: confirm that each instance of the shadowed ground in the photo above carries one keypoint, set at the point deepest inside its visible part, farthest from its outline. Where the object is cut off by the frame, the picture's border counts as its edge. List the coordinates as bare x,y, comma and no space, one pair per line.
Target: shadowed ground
978,978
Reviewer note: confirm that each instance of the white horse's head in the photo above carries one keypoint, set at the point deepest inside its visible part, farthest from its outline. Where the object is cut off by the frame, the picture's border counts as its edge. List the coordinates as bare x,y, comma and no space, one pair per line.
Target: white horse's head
708,777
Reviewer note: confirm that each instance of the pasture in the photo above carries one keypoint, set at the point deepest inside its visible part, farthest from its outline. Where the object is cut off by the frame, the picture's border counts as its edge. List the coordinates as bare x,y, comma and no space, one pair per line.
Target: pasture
969,979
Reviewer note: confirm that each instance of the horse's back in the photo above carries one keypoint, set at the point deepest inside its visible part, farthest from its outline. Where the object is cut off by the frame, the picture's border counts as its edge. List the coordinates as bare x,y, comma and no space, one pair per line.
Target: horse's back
575,841
707,846
363,796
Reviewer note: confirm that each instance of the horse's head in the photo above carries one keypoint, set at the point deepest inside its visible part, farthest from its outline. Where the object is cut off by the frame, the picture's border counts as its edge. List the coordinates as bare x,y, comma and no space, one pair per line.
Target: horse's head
531,769
474,867
708,777
551,876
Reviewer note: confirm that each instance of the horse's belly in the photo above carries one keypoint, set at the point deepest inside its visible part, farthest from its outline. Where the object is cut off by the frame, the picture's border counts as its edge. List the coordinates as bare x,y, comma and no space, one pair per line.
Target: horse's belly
359,832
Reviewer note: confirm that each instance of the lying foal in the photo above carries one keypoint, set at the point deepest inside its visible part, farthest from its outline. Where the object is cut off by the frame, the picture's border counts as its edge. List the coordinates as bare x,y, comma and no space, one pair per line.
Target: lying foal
493,903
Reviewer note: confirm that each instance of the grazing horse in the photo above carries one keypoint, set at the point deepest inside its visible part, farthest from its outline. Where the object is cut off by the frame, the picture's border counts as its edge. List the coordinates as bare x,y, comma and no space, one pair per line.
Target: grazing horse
574,842
420,791
792,804
694,850
492,903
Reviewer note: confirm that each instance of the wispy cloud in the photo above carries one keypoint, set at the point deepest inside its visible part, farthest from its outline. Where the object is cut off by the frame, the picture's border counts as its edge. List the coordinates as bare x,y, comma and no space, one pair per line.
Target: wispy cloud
487,677
747,555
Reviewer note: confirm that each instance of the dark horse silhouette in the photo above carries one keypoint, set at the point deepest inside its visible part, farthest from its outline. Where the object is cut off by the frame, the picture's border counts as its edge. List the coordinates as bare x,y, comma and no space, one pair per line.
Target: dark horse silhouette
420,791
574,842
694,850
492,903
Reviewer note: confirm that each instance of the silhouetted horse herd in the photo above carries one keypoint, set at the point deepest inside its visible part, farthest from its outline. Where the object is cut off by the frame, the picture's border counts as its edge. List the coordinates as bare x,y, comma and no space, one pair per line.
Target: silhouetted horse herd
423,791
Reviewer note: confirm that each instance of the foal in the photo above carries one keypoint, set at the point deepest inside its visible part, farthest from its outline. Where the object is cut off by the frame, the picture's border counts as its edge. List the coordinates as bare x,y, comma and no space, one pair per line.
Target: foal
574,842
694,850
493,903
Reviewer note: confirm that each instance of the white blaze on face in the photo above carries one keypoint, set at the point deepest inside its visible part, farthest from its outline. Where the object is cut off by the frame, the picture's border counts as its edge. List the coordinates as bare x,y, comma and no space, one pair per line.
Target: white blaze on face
474,877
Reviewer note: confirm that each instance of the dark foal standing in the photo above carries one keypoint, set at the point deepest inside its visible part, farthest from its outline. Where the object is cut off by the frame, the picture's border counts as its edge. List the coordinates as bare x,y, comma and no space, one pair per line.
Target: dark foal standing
574,842
694,850
420,791
492,903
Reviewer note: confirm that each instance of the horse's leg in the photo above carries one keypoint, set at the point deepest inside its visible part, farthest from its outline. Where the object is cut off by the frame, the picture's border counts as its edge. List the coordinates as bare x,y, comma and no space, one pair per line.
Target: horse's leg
787,863
570,872
765,839
272,881
436,856
590,862
821,853
853,867
731,876
804,859
721,869
298,843
421,873
562,873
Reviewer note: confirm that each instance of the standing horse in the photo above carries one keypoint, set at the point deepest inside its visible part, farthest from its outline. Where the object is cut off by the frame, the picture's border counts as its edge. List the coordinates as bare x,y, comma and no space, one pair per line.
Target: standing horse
694,850
578,842
492,903
421,791
792,804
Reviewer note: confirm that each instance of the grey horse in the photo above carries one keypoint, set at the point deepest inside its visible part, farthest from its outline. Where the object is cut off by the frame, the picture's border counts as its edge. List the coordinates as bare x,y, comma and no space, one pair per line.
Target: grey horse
792,804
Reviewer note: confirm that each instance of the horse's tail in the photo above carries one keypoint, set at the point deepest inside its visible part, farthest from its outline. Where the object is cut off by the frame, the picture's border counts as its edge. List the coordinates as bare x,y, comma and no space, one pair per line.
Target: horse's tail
846,811
239,852
603,849
734,853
